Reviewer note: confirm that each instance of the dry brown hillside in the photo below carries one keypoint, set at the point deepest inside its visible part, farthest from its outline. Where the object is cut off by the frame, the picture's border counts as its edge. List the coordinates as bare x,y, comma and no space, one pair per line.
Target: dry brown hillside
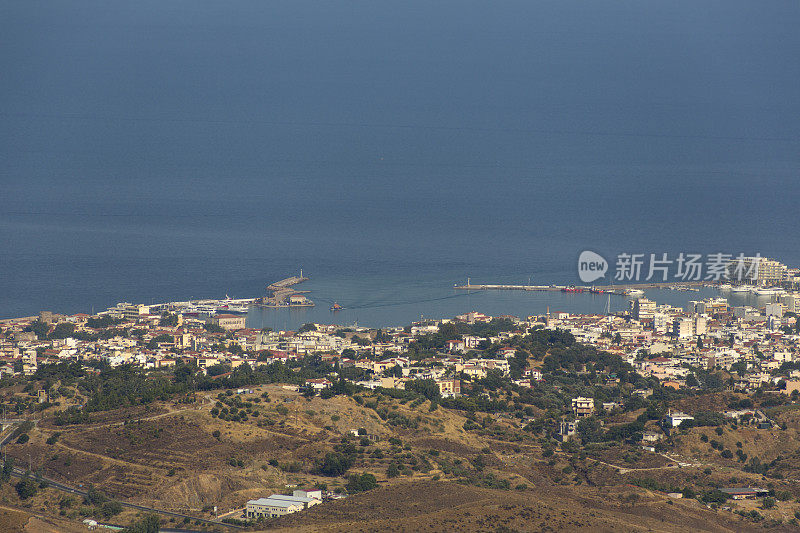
436,468
446,507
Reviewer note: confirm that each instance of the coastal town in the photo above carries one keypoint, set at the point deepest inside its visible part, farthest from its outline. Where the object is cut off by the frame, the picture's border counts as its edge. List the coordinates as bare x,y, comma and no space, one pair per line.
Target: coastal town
658,340
626,390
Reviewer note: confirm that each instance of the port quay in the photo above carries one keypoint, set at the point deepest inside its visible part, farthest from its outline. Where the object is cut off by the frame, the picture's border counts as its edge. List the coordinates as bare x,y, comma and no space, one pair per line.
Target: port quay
624,289
283,296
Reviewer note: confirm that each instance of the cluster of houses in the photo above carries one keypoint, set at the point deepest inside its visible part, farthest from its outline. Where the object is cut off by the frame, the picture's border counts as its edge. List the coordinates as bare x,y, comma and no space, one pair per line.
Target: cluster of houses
658,340
663,341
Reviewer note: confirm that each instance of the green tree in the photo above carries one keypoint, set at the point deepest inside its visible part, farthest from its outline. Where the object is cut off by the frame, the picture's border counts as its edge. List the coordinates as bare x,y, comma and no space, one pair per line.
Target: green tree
714,496
361,483
334,464
168,319
148,524
26,488
39,328
8,468
62,330
426,387
110,509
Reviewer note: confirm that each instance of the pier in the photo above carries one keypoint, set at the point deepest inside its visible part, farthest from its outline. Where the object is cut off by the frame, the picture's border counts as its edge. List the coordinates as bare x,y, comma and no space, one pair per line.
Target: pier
596,289
283,295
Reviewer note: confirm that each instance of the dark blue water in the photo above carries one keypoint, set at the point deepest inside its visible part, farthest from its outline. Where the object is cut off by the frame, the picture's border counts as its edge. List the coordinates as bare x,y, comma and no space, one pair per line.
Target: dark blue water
153,151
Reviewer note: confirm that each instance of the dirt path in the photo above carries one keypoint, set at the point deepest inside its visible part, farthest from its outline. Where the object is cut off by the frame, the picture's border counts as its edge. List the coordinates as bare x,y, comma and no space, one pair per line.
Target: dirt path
115,424
100,456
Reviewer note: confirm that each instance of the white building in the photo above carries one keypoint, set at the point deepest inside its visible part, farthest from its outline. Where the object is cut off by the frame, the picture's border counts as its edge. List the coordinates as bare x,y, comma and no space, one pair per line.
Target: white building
700,325
774,309
271,507
675,418
583,406
643,309
135,312
682,328
791,302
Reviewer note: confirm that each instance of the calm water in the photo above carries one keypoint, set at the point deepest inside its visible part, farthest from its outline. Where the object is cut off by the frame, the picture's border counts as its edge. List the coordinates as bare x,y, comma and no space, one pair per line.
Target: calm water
157,151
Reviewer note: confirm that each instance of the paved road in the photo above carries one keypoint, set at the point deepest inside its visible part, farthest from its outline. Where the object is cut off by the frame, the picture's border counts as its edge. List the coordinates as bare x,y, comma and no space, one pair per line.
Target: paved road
18,472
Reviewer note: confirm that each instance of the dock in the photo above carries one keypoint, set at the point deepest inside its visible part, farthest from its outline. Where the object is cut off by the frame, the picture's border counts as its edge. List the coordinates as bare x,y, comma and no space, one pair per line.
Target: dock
283,295
595,289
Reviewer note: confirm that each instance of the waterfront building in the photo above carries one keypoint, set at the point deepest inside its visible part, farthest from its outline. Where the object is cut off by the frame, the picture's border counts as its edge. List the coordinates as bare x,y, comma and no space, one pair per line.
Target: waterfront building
229,322
766,271
135,312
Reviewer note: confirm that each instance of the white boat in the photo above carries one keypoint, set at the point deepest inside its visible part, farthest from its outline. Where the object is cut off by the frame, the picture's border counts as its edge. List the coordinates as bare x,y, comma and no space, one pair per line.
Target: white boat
200,310
634,292
233,309
740,289
764,291
725,287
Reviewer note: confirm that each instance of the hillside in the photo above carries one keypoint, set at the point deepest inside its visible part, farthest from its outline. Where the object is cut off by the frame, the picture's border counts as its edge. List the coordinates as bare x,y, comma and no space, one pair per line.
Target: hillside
436,468
441,507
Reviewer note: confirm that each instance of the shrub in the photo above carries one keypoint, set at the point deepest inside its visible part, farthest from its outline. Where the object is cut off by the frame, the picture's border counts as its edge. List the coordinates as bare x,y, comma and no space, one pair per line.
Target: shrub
334,464
361,483
714,496
110,509
26,488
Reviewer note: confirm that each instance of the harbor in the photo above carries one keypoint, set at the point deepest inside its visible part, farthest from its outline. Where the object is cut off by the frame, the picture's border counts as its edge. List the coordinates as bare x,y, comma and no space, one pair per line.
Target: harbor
284,295
280,294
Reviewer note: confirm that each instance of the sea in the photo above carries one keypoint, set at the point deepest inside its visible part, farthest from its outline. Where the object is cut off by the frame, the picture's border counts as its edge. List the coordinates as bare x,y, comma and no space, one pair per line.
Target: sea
155,151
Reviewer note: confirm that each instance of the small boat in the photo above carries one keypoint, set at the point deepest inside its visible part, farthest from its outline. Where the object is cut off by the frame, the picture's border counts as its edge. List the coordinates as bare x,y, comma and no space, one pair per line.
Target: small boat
725,287
740,289
336,307
634,292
